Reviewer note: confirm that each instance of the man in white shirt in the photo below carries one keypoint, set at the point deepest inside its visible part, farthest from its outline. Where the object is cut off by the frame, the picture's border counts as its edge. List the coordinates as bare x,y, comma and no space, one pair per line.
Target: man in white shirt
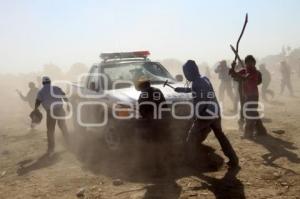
31,95
51,98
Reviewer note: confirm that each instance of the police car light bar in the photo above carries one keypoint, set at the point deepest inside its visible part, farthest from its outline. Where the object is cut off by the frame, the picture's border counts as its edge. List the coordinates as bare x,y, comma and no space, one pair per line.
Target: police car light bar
123,55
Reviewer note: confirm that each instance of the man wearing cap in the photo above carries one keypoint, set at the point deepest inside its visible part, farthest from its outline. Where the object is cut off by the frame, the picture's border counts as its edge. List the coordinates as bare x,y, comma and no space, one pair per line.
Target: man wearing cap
51,98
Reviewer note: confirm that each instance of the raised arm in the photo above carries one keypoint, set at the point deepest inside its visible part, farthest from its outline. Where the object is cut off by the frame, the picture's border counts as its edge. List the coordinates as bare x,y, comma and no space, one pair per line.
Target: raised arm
21,95
235,75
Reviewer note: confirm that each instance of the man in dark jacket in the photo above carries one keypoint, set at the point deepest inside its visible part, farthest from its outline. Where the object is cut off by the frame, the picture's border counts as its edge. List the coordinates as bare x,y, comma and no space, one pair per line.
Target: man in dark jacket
225,82
52,98
207,112
151,127
148,95
239,97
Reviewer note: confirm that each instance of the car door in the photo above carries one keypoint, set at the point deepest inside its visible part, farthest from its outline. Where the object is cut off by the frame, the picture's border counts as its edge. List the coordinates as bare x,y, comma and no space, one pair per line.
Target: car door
93,107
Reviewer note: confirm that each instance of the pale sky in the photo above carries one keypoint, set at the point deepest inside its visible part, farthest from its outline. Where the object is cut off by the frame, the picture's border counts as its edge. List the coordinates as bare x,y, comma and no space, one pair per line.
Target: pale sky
63,32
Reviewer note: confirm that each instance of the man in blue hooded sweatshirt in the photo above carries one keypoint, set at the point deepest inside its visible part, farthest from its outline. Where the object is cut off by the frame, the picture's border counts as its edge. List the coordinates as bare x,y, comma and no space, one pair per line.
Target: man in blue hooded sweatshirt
207,112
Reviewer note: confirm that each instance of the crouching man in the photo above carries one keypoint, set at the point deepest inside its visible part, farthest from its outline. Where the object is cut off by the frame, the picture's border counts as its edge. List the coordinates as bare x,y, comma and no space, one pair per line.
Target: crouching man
51,98
150,127
207,110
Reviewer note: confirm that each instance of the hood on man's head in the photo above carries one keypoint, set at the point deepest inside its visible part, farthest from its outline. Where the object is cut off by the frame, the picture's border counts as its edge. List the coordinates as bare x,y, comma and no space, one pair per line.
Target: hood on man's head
190,70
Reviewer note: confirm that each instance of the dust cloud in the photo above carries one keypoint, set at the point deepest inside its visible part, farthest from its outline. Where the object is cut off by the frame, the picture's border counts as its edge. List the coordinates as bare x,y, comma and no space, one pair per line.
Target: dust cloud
135,165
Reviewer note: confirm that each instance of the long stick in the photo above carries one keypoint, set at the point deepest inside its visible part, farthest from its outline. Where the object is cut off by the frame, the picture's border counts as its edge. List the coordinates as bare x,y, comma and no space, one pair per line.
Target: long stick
237,55
239,39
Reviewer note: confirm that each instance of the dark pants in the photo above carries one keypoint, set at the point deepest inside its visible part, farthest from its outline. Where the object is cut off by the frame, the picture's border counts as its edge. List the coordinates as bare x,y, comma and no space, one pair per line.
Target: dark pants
51,122
156,134
241,98
241,121
226,86
253,121
265,90
286,83
200,130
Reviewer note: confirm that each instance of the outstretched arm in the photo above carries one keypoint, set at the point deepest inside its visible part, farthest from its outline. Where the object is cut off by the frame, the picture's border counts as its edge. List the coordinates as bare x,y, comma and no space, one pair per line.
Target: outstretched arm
183,90
21,95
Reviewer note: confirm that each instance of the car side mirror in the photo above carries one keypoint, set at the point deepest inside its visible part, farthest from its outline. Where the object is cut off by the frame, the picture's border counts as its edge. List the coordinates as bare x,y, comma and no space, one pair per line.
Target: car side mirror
179,78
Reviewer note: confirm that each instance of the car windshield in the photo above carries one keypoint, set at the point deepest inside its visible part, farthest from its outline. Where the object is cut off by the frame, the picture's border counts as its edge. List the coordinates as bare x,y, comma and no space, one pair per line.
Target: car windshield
155,72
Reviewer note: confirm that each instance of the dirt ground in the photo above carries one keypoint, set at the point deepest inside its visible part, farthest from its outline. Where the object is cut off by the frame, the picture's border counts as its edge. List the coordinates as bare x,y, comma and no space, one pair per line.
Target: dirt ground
270,166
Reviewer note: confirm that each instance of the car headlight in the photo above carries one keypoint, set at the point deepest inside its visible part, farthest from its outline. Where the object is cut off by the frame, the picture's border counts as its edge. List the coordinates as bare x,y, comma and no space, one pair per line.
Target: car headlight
123,111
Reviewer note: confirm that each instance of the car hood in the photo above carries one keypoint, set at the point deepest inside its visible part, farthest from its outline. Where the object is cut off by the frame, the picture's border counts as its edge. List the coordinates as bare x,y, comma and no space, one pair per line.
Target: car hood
131,94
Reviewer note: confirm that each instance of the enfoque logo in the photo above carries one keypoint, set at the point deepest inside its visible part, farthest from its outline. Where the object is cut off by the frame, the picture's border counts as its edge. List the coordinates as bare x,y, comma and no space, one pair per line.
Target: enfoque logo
92,100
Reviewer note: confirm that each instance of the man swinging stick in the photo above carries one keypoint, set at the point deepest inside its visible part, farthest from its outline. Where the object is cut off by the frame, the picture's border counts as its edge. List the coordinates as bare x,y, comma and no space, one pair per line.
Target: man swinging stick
249,77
